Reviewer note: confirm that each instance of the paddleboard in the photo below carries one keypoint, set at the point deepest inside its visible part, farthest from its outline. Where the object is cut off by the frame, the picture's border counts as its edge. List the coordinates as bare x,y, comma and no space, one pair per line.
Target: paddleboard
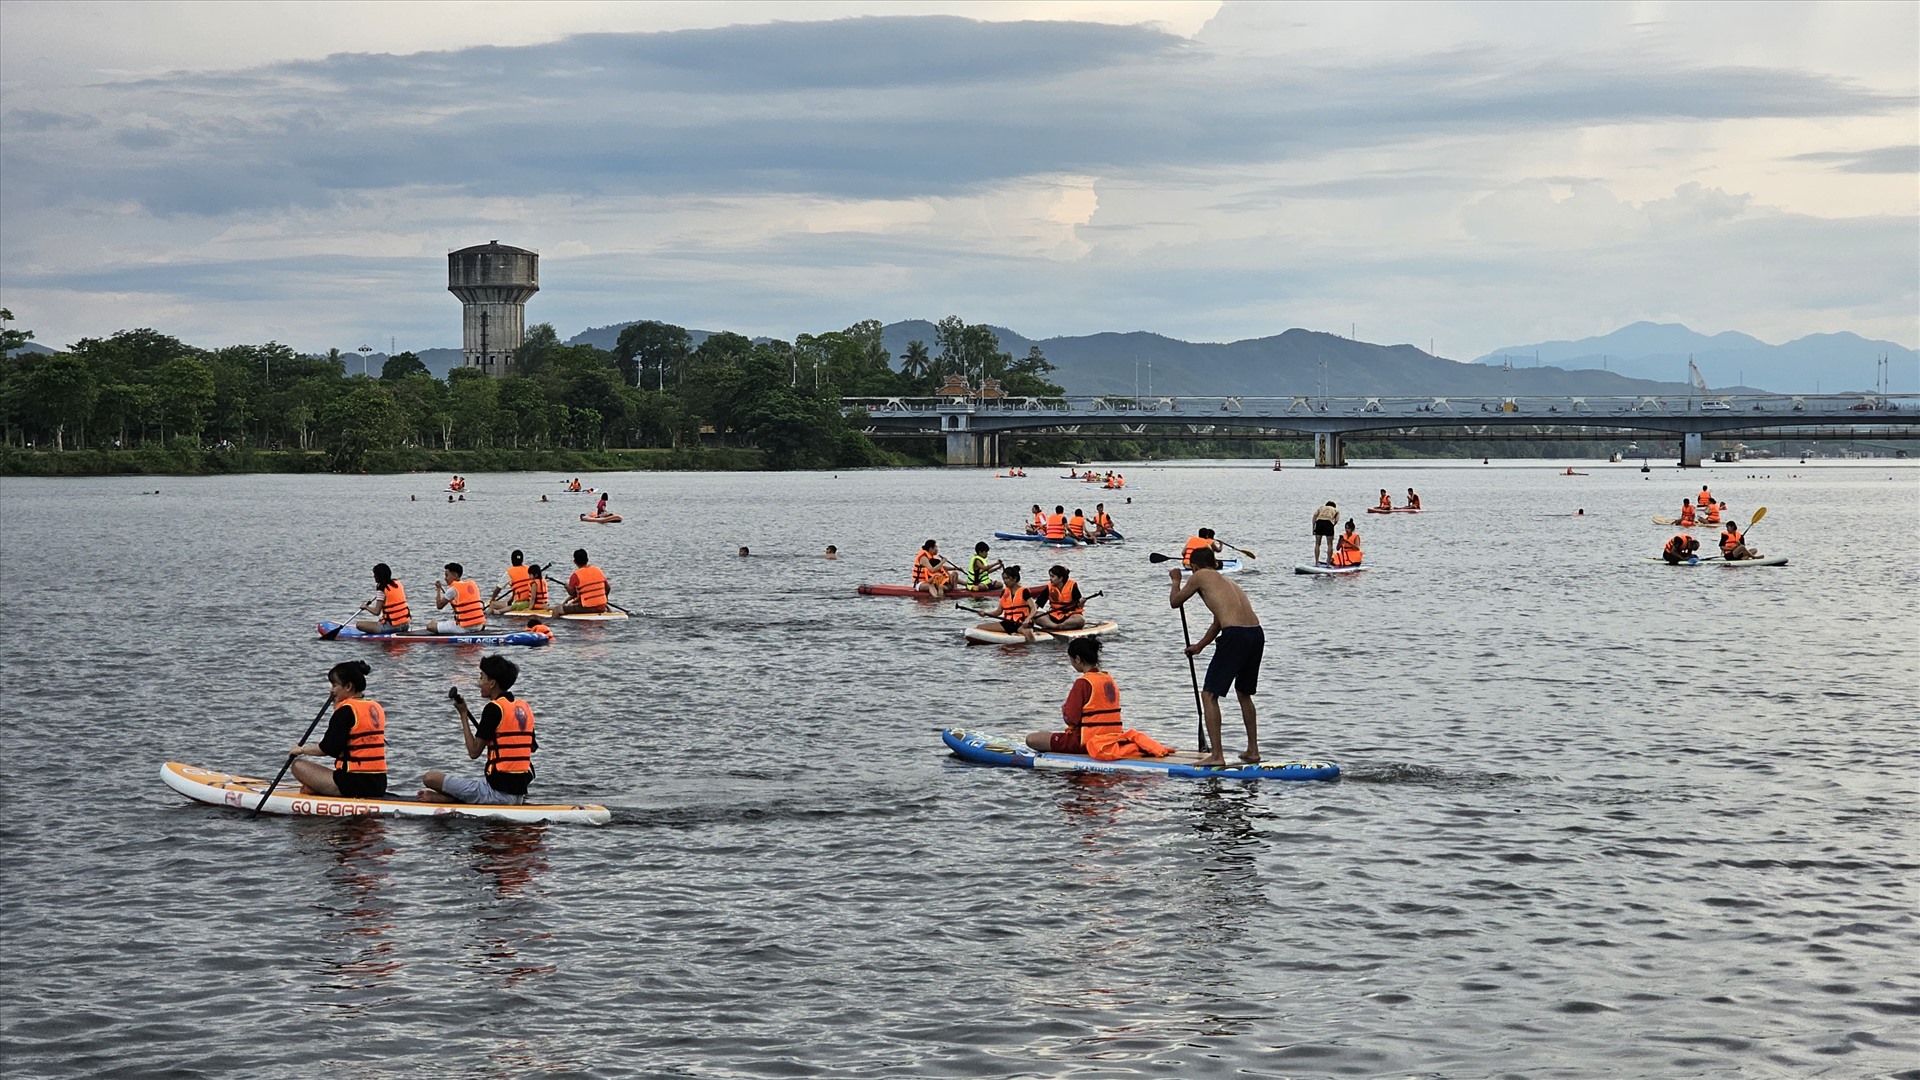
1110,538
503,637
908,590
1319,568
595,616
1012,751
609,519
1395,510
523,613
1676,521
243,793
1572,474
977,636
1771,560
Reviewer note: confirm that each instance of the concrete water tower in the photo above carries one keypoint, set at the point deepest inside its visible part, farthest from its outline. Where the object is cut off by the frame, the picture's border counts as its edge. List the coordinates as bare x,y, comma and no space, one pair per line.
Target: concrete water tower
495,282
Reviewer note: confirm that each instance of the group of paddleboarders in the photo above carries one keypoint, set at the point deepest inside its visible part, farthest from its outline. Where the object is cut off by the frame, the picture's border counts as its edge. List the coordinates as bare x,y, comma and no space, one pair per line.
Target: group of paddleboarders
1110,479
523,592
1706,510
1342,549
1076,527
356,738
1386,501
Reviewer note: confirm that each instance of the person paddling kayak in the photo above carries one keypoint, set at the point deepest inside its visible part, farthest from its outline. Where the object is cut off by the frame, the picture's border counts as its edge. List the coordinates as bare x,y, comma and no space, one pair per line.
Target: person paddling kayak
504,734
1236,663
356,740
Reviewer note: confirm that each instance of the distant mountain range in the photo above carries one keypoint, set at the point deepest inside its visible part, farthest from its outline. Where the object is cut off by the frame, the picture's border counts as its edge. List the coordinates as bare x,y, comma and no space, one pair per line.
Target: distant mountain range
1818,362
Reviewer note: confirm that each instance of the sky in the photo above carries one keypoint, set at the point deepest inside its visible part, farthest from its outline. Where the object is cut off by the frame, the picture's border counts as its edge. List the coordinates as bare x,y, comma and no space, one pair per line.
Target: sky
1465,175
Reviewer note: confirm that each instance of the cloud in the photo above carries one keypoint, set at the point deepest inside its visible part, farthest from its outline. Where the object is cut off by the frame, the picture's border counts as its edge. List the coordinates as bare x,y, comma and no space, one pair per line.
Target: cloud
1900,160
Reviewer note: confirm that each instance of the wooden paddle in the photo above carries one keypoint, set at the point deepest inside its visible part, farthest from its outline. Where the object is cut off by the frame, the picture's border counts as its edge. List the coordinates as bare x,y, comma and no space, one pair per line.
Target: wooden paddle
264,796
1242,551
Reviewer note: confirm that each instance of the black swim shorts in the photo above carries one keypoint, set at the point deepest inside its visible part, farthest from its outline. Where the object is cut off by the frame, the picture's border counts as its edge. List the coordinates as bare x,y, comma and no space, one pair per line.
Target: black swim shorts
1323,528
1236,660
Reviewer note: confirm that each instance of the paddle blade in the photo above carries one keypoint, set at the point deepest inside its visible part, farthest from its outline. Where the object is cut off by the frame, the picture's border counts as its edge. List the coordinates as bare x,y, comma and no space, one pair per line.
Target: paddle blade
1757,515
1247,553
1156,557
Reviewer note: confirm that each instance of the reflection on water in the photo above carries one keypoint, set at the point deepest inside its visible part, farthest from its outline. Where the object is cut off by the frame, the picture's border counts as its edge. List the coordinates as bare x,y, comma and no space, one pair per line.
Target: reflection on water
509,858
360,922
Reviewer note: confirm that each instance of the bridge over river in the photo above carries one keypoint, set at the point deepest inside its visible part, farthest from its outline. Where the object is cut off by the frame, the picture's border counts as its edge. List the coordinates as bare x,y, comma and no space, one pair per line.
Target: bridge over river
977,428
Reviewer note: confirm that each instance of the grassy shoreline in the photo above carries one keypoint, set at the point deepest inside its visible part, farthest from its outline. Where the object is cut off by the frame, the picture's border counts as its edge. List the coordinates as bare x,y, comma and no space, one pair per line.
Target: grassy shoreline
153,461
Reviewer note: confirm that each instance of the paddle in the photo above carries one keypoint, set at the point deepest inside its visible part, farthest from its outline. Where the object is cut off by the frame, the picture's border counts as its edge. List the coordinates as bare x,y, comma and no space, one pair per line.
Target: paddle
563,588
344,623
1193,675
1242,551
264,796
1759,514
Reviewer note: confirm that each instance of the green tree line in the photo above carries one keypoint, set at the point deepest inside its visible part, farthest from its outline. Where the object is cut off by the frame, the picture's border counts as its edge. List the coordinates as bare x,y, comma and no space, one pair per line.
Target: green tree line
142,388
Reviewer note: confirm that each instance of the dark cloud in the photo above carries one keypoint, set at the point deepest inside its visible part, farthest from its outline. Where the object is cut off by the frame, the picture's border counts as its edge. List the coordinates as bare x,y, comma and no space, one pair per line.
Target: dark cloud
34,120
1886,159
872,107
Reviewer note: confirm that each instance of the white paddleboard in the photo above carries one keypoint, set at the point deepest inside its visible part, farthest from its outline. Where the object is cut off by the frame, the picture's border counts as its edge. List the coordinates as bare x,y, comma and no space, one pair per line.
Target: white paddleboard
1321,568
596,616
976,636
243,793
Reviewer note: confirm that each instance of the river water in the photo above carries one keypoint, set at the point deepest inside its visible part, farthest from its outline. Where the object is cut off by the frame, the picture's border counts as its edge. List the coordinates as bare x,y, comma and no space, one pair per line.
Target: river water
1600,818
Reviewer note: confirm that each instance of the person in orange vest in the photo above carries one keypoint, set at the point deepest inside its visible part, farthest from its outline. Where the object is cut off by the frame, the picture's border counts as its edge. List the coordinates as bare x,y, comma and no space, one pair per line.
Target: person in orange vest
1386,500
469,611
1686,512
930,570
1346,552
1713,512
1102,523
1066,607
1016,606
587,587
1057,524
1236,662
1092,714
1038,523
1413,500
504,733
1682,548
1199,541
356,740
1733,543
1077,525
387,611
1705,498
516,592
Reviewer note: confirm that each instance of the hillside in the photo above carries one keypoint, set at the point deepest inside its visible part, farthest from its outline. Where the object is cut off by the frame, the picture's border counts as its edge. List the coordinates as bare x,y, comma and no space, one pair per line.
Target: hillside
1842,362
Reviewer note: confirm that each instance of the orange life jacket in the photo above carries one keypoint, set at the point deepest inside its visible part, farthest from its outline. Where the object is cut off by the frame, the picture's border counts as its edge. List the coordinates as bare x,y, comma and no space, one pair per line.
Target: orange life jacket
538,586
1060,600
1056,526
511,750
1104,520
1677,547
928,569
1705,496
1015,606
1730,538
1039,521
467,608
542,629
1194,544
1077,525
1686,514
393,605
367,742
1413,501
1347,551
1386,501
590,586
520,580
1713,513
1102,709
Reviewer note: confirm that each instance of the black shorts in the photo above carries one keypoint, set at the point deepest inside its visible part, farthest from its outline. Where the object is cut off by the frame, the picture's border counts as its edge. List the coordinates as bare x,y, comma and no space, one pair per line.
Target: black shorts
1236,660
1009,626
1323,528
361,785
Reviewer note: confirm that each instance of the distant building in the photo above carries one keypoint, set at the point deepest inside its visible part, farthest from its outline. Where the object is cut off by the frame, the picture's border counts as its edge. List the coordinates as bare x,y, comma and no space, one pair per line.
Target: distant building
495,282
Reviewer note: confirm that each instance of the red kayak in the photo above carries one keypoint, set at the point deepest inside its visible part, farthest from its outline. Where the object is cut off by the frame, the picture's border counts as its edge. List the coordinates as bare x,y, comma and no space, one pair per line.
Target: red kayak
908,590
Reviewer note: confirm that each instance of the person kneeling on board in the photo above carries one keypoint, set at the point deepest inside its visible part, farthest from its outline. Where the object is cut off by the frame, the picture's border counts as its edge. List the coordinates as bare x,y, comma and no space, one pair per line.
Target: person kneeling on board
469,613
1236,663
1066,608
1347,551
1733,543
504,734
388,612
587,587
1016,606
930,571
515,593
979,573
1092,713
1682,548
356,740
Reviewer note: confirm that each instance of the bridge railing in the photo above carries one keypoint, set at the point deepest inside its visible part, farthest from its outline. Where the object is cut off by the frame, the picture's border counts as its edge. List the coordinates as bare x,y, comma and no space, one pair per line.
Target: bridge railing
1426,407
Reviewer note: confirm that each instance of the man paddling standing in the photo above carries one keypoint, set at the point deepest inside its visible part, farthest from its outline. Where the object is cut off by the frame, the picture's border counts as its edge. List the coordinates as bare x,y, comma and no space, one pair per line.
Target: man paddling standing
1236,663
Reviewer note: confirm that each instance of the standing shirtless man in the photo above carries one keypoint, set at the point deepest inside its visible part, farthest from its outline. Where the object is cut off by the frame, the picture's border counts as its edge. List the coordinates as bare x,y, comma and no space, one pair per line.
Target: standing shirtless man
1236,663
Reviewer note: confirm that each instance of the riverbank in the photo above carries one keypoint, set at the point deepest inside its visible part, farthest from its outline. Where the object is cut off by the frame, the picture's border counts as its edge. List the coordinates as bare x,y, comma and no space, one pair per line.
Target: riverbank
154,461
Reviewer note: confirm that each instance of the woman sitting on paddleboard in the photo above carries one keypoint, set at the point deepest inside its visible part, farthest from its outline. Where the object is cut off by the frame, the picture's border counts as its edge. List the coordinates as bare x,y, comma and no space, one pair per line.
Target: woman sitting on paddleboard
356,739
1092,713
504,734
1347,551
1066,607
388,612
1016,606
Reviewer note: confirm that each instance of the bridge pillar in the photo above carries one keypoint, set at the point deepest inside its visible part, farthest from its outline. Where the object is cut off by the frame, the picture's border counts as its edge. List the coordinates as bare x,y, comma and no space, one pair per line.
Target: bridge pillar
1690,450
1329,450
964,445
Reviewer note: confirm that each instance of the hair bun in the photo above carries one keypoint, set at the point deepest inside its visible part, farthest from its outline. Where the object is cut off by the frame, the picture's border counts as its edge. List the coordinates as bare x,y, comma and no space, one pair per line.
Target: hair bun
363,668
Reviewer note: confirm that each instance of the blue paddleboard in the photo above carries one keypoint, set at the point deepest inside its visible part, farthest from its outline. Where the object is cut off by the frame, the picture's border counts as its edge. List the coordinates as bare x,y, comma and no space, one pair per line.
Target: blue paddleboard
1012,751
